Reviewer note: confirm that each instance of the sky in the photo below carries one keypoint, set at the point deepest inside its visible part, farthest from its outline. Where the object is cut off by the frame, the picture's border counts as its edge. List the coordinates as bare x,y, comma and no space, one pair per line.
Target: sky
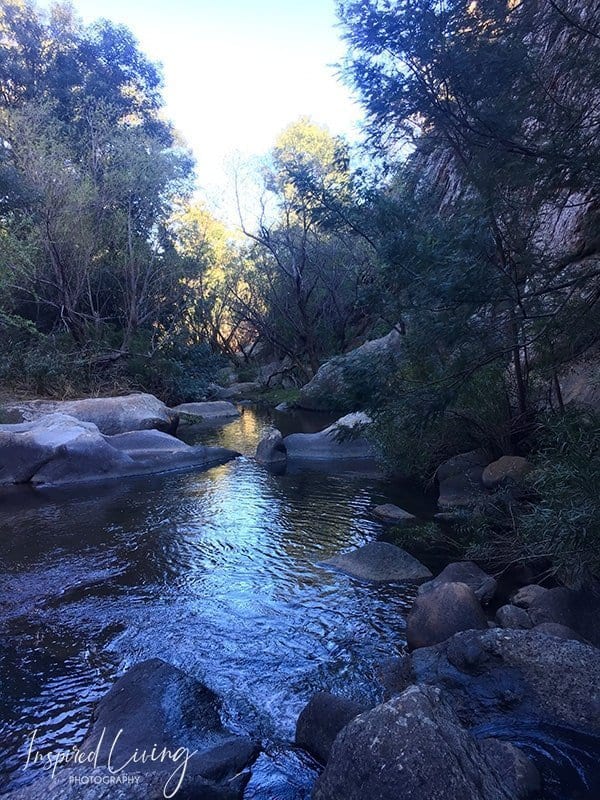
237,72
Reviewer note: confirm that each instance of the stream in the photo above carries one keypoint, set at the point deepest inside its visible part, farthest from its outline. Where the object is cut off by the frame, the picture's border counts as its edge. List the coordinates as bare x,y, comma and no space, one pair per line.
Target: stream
216,572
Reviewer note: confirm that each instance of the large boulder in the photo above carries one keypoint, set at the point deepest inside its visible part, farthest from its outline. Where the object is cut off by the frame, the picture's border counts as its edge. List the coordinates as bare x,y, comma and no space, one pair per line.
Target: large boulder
442,612
322,719
111,415
515,674
331,387
209,411
482,584
271,449
506,470
278,373
460,479
380,562
578,610
58,449
414,746
157,708
344,440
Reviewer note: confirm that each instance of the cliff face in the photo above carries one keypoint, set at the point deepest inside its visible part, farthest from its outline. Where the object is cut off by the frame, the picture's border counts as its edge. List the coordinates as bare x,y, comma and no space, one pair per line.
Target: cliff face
562,224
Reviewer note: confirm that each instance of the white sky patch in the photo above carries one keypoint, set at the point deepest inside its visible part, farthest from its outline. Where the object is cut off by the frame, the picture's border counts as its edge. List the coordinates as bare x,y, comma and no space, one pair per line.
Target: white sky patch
237,72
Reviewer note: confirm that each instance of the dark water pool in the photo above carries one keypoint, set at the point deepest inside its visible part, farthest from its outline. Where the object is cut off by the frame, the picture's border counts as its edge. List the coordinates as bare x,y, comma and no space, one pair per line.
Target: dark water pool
218,573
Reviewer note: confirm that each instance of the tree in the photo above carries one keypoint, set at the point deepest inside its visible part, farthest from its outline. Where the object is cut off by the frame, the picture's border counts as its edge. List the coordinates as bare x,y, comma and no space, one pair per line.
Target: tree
498,104
306,263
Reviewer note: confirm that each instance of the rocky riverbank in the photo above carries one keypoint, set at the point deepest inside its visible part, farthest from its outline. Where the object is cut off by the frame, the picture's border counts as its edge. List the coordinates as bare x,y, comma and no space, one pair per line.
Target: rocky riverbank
478,660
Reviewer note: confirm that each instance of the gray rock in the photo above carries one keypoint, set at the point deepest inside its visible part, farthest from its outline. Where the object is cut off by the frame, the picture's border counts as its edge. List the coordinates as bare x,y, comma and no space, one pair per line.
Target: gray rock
505,672
111,415
157,705
322,719
394,514
460,479
209,411
58,449
442,612
522,776
527,595
235,391
510,616
330,388
561,631
482,584
413,746
506,470
271,449
341,441
380,562
277,373
578,610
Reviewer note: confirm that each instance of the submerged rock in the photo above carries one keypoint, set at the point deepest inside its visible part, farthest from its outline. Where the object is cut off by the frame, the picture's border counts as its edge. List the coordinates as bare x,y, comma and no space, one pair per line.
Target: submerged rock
342,440
155,708
57,449
111,415
414,746
322,719
210,411
441,612
380,562
482,584
394,514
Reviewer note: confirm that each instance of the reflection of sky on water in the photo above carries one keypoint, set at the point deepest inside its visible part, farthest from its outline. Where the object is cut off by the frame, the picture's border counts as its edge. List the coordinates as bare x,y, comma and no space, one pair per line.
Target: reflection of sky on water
215,572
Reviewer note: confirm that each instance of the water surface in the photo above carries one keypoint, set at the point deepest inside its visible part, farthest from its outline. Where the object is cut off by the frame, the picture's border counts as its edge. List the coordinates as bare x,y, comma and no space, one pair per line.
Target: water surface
216,572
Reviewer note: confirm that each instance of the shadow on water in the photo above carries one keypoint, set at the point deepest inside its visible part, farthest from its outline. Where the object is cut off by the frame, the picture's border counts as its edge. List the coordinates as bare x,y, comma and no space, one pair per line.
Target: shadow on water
216,572
568,759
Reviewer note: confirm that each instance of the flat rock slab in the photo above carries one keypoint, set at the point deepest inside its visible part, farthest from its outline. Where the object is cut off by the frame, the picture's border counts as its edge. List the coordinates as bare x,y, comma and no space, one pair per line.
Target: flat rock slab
211,411
394,514
111,415
341,441
59,449
380,562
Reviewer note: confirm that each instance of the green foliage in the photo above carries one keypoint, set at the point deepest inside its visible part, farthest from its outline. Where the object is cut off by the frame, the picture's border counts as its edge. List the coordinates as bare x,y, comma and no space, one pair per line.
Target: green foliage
558,525
178,373
564,524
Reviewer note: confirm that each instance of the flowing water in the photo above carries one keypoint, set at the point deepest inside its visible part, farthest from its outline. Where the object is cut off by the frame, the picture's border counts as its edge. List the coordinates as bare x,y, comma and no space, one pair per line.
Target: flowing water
216,572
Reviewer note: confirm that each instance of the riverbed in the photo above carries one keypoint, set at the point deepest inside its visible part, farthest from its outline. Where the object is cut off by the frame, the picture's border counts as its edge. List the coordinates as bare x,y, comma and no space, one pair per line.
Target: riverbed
219,573
216,572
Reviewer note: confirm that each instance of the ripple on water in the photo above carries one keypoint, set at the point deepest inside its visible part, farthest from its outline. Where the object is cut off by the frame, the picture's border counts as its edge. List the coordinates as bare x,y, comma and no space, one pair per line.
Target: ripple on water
216,572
